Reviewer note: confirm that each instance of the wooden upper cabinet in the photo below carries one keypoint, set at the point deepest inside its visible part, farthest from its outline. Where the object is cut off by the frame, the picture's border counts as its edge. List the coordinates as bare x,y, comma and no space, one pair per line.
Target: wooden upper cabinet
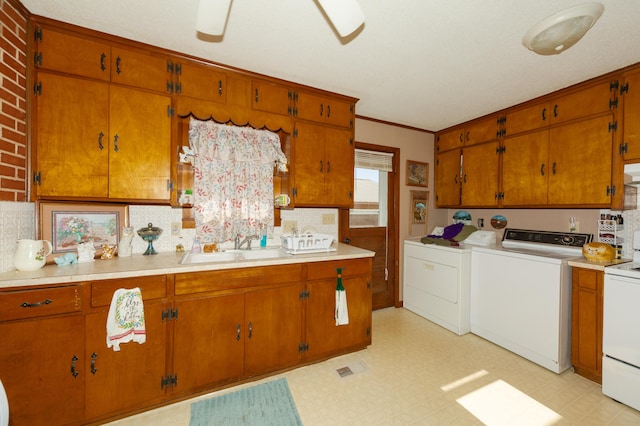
140,149
450,139
584,102
480,175
71,137
73,54
483,130
201,81
323,109
140,69
525,169
447,175
271,97
528,118
580,158
475,132
630,94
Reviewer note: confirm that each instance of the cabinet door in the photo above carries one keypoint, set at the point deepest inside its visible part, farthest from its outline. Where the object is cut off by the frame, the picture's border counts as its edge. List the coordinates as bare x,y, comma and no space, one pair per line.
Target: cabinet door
481,131
450,140
140,69
131,377
140,145
271,97
309,164
202,82
525,169
527,118
339,168
631,120
321,109
323,335
72,54
273,324
586,322
209,341
585,102
480,173
448,178
43,369
72,133
358,331
580,163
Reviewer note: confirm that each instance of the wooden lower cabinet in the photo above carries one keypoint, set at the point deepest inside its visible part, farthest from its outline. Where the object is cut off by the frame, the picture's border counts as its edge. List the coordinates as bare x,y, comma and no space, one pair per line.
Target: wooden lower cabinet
586,322
41,356
127,379
204,330
323,336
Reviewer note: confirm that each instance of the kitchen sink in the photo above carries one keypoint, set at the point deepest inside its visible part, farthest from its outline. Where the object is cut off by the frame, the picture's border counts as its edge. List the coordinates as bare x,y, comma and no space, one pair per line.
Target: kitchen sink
233,255
222,256
259,253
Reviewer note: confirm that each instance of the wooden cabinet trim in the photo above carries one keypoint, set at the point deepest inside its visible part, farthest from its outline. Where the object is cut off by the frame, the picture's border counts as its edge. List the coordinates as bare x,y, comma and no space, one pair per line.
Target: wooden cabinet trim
151,287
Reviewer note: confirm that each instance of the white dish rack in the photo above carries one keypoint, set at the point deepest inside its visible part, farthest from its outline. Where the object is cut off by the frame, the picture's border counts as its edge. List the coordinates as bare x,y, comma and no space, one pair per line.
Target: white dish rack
307,243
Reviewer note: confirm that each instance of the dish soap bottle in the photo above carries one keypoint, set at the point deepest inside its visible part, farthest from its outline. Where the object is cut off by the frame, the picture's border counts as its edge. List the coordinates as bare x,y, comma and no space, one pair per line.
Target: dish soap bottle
196,246
263,236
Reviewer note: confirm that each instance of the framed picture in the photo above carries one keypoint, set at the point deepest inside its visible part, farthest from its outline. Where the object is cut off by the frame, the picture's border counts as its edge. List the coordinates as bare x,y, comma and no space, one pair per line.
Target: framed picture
417,173
66,225
418,208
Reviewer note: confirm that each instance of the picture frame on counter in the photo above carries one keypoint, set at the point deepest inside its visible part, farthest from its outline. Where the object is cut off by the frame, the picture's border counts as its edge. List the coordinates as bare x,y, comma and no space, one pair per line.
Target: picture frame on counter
417,173
66,225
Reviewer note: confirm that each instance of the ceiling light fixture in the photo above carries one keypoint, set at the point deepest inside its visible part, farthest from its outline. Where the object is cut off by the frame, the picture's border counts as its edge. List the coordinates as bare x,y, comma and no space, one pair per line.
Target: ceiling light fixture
559,32
212,16
345,15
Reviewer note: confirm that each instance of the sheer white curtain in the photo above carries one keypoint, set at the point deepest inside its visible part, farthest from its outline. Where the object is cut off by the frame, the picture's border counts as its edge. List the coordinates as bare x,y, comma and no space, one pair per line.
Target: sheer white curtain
233,179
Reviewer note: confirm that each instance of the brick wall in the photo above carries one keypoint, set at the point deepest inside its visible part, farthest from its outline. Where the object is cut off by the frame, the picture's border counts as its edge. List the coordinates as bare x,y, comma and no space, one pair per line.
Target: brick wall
13,103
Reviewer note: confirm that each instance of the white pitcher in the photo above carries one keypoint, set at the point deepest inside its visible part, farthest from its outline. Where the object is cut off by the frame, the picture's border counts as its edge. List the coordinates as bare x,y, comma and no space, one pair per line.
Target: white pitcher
31,254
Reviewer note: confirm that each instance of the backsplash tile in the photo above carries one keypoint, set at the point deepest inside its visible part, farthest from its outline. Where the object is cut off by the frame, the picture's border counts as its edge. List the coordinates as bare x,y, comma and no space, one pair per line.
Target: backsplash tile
17,220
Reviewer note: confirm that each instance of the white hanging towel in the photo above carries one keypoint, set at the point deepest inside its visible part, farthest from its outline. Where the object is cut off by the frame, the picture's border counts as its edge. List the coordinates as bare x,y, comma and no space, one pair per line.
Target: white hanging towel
342,312
125,322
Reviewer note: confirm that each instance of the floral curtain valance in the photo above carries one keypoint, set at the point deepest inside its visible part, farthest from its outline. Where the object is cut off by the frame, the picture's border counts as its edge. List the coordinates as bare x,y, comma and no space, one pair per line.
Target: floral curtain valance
233,179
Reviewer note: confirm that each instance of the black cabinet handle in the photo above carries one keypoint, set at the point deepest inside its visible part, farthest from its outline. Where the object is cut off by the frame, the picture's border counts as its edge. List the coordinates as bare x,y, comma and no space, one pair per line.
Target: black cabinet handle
238,332
94,370
37,304
250,329
74,360
118,60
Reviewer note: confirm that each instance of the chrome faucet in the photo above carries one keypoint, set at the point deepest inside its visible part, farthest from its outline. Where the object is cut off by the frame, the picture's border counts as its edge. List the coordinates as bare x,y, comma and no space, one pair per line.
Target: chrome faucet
238,244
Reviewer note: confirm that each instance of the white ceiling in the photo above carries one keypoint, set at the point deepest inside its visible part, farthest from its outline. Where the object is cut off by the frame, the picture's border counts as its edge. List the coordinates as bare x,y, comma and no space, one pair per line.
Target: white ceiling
425,64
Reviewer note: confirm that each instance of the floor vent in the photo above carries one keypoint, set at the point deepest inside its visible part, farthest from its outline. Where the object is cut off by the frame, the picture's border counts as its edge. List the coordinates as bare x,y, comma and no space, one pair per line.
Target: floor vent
350,370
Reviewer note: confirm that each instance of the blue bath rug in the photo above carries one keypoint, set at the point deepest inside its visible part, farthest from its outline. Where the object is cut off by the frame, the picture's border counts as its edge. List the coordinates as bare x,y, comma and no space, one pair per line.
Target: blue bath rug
267,404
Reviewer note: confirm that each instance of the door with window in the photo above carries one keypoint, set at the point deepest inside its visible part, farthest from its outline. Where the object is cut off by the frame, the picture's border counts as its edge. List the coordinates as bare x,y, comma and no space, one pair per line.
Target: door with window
372,222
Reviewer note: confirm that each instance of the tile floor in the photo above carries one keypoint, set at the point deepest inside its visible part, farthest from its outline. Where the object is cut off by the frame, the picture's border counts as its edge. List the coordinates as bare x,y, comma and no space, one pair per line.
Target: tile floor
417,373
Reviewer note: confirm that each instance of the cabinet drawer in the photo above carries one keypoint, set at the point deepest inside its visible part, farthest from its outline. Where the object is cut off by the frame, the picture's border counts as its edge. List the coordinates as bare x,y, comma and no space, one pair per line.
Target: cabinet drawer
350,268
153,287
36,303
233,279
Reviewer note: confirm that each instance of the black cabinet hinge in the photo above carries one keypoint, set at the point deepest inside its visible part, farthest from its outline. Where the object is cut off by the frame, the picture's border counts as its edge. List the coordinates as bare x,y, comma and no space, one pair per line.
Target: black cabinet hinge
303,347
169,380
37,59
613,85
613,103
294,192
368,331
37,178
304,294
170,66
178,69
37,89
624,89
623,149
169,314
613,126
37,34
170,111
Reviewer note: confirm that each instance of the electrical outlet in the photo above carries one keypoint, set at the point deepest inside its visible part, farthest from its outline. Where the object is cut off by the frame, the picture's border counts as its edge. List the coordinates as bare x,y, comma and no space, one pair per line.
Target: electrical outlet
329,219
288,226
176,227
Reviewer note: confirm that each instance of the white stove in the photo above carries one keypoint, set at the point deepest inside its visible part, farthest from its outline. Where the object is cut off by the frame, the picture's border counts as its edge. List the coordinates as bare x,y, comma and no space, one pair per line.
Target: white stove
621,330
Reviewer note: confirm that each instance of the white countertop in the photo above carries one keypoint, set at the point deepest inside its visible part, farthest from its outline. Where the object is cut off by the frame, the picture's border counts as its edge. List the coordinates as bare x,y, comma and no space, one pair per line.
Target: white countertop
162,263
